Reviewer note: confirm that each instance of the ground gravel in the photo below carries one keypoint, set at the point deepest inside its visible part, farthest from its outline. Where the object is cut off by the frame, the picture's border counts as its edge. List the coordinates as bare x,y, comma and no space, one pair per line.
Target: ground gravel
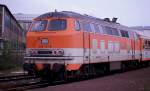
137,80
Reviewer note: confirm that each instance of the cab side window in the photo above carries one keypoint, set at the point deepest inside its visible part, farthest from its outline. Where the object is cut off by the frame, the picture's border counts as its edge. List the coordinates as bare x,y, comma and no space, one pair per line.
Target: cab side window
135,36
97,30
77,26
86,27
124,33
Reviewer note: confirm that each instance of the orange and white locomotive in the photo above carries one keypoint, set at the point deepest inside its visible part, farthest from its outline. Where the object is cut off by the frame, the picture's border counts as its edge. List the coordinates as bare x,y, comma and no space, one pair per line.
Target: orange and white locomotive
70,44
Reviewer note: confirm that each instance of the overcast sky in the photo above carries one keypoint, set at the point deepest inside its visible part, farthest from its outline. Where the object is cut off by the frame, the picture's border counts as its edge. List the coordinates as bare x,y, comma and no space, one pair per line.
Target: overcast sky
128,12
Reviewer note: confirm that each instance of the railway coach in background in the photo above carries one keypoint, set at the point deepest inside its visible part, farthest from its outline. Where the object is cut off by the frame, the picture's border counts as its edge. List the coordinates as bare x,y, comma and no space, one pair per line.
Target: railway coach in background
145,49
67,44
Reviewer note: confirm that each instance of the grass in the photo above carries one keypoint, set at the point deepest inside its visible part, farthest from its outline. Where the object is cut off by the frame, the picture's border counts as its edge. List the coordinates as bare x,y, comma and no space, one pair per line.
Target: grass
10,62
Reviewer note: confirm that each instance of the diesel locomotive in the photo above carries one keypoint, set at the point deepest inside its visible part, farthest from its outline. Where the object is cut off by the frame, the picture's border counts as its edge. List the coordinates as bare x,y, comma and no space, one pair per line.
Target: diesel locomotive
66,44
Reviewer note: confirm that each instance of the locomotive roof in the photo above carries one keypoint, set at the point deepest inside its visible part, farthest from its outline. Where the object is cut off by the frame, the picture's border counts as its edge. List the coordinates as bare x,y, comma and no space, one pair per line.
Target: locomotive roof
70,14
65,14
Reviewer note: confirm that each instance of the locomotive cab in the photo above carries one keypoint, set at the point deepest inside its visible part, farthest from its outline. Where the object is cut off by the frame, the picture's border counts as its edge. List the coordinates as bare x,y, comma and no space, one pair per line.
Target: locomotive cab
54,43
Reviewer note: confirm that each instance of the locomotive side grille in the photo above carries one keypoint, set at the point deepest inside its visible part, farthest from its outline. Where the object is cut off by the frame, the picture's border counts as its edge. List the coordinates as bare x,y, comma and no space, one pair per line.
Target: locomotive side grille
44,52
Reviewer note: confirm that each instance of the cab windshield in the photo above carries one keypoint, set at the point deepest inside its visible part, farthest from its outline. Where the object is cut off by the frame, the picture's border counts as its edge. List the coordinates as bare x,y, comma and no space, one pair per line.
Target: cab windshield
57,25
39,25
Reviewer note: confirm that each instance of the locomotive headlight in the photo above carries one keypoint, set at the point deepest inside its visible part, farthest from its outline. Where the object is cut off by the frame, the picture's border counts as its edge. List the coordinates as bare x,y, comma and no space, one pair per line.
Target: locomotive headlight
58,52
33,51
30,52
27,52
44,41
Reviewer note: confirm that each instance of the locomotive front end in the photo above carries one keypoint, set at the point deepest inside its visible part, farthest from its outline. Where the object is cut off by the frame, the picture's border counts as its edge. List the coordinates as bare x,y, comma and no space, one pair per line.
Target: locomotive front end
53,46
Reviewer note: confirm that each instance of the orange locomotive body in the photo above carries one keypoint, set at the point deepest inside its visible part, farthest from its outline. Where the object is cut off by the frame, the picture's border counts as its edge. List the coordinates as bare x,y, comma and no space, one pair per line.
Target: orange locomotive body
69,44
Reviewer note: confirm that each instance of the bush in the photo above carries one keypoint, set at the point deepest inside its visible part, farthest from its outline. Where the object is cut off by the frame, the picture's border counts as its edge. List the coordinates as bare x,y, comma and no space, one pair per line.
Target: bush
9,59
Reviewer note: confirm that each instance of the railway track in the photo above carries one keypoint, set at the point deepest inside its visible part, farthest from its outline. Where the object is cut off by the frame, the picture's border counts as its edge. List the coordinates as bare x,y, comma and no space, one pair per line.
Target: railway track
36,83
25,82
14,77
20,82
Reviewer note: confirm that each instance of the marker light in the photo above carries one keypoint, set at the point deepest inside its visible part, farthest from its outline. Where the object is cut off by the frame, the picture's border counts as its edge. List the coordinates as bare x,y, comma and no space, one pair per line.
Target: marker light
44,41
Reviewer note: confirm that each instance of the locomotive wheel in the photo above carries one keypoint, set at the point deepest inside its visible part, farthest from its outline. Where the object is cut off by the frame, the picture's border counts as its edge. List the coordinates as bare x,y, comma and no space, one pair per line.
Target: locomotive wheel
107,68
60,75
102,69
76,75
86,71
149,63
123,66
93,71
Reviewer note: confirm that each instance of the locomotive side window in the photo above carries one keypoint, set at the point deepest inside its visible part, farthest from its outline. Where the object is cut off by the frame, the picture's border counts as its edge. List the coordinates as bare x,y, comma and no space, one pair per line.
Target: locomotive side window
39,25
110,46
77,25
124,33
135,36
113,47
110,31
94,44
115,31
102,46
116,47
100,29
97,30
87,27
131,35
57,24
92,27
103,30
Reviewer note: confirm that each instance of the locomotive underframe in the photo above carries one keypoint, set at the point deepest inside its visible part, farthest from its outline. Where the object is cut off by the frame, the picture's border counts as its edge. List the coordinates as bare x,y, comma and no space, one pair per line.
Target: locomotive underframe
56,69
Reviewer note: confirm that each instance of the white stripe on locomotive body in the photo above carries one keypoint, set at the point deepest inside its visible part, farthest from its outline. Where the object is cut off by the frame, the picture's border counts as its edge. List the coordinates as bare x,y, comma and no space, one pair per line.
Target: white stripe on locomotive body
84,56
106,56
67,51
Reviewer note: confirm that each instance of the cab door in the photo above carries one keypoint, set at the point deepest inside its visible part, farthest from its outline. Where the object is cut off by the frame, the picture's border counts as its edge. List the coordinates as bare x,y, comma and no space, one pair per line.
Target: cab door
133,46
86,47
87,31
